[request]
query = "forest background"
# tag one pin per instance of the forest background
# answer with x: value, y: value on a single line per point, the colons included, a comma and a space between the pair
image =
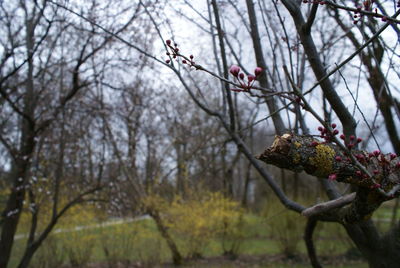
x: 134, y: 133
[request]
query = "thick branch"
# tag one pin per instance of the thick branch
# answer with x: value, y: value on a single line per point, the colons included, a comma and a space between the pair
x: 328, y: 206
x: 305, y: 153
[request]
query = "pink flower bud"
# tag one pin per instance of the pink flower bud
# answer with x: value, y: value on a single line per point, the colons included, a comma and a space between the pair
x: 191, y: 57
x: 359, y: 140
x: 360, y: 157
x: 376, y: 185
x: 358, y: 173
x: 342, y: 136
x: 338, y: 158
x: 335, y: 132
x: 393, y: 156
x: 352, y: 137
x: 377, y: 152
x: 241, y: 76
x: 350, y: 146
x: 333, y: 125
x: 168, y: 42
x: 332, y: 177
x: 234, y: 70
x: 251, y: 78
x: 314, y: 143
x: 320, y: 129
x: 258, y: 71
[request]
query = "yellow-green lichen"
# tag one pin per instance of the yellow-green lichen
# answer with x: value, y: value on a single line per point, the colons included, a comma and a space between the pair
x: 297, y: 144
x: 323, y: 160
x: 296, y: 158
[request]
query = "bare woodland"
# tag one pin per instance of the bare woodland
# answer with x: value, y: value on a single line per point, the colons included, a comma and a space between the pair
x: 111, y: 102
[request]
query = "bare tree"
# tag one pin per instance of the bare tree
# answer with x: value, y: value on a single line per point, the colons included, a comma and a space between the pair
x: 47, y: 61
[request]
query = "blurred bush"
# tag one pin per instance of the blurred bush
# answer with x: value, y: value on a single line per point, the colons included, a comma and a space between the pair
x: 201, y: 217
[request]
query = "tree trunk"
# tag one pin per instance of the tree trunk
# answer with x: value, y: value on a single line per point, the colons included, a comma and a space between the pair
x: 176, y: 255
x: 380, y: 252
x: 21, y: 165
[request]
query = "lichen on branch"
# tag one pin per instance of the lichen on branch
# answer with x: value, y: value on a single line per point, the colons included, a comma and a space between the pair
x: 327, y: 160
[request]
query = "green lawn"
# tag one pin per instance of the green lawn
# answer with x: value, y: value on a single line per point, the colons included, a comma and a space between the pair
x: 141, y: 242
x: 262, y: 241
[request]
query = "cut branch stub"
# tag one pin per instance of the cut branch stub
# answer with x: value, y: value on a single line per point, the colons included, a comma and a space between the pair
x: 327, y: 160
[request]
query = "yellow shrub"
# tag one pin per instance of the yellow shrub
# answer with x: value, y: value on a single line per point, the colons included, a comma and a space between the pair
x: 199, y: 218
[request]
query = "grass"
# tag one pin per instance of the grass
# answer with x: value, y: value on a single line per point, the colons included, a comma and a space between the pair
x: 148, y: 247
x: 264, y: 239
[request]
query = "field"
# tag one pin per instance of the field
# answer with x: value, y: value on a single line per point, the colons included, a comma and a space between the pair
x: 273, y: 240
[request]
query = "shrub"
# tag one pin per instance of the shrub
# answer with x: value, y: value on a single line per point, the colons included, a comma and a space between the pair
x: 49, y: 255
x: 287, y: 229
x: 201, y: 217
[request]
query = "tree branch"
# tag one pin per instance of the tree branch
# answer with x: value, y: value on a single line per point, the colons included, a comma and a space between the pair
x: 329, y: 205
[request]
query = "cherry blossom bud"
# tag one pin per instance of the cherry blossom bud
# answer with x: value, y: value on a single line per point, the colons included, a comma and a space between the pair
x: 338, y: 158
x: 352, y: 137
x: 376, y: 185
x: 191, y: 57
x: 335, y: 132
x: 167, y: 61
x: 241, y: 76
x: 314, y: 143
x: 333, y: 125
x: 251, y: 78
x: 350, y: 146
x: 320, y: 129
x: 377, y: 152
x: 234, y: 70
x: 358, y: 173
x: 332, y: 177
x: 393, y: 156
x: 360, y: 157
x: 359, y: 140
x: 168, y: 42
x: 342, y: 136
x: 258, y: 71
